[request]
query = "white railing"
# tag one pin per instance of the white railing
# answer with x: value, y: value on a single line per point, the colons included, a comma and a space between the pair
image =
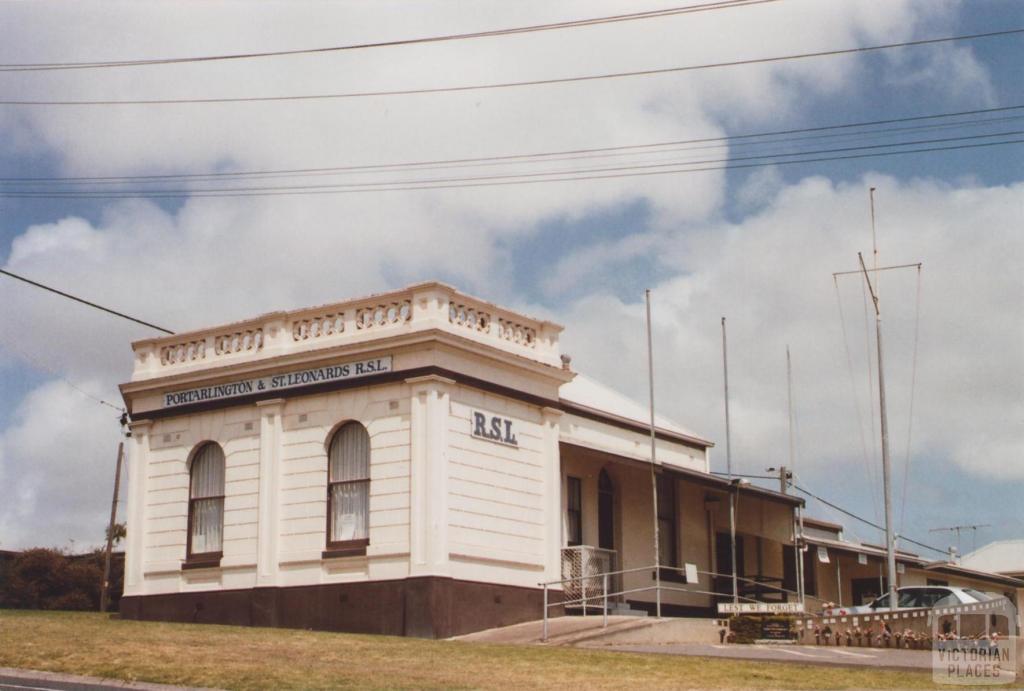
x: 585, y: 594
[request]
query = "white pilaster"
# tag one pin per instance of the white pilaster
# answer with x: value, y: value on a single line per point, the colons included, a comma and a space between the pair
x: 552, y: 496
x: 138, y: 462
x: 268, y: 532
x: 428, y: 520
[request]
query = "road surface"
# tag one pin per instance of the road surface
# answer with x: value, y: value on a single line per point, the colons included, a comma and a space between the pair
x: 919, y: 660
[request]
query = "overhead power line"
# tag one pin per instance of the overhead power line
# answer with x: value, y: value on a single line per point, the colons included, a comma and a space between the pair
x: 864, y: 520
x: 84, y: 301
x: 481, y: 181
x: 569, y: 24
x: 837, y: 508
x: 506, y: 85
x: 42, y: 365
x: 926, y: 122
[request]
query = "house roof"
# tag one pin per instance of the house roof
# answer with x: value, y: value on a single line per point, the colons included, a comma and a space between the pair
x: 915, y: 561
x: 860, y: 548
x: 719, y: 483
x: 1001, y: 556
x: 587, y: 393
x: 818, y: 523
x: 958, y: 570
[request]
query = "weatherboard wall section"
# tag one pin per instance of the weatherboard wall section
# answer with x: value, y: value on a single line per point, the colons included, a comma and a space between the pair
x: 630, y: 443
x: 308, y: 425
x: 496, y: 491
x: 171, y: 443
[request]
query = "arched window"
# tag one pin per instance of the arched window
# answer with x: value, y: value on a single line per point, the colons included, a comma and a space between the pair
x: 206, y: 502
x: 348, y: 487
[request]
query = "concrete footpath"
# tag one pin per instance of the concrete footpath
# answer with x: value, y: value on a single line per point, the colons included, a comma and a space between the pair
x: 25, y: 679
x: 883, y: 658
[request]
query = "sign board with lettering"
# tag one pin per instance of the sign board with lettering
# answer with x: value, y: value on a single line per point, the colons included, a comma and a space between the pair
x: 278, y: 382
x: 760, y: 607
x: 493, y: 428
x: 776, y: 630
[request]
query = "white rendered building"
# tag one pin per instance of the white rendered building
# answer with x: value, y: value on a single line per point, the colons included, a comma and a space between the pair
x: 417, y: 463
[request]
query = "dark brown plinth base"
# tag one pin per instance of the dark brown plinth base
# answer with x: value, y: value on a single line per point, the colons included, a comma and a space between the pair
x: 425, y: 607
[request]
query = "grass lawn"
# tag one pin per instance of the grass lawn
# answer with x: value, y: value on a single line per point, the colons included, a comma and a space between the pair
x: 234, y: 657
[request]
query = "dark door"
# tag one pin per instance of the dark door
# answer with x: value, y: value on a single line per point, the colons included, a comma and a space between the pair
x: 723, y: 553
x: 789, y: 569
x: 866, y: 589
x: 605, y: 511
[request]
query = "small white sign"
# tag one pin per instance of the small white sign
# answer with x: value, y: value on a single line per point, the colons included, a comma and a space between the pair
x: 691, y: 573
x: 862, y: 559
x: 823, y: 555
x: 760, y: 607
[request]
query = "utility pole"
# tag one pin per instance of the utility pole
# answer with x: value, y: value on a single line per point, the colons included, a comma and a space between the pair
x: 654, y: 478
x: 728, y: 466
x: 105, y: 591
x: 785, y: 474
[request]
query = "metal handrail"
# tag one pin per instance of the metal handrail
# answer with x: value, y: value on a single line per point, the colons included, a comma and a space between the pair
x: 706, y: 573
x: 658, y: 588
x: 595, y: 575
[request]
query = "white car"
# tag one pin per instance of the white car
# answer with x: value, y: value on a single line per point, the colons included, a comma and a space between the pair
x: 915, y: 597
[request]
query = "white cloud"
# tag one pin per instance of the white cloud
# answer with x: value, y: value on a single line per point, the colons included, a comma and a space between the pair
x: 57, y: 464
x: 212, y: 260
x: 771, y: 276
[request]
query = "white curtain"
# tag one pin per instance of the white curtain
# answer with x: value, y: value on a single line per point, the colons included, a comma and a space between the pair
x: 349, y: 488
x: 207, y: 495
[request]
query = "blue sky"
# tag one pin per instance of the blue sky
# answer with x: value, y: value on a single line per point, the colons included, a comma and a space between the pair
x: 758, y: 246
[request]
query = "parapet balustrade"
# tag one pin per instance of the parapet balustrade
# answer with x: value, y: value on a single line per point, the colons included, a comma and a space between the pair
x: 426, y: 306
x: 320, y: 325
x: 178, y: 353
x: 249, y: 340
x: 517, y: 333
x: 469, y: 316
x: 383, y: 315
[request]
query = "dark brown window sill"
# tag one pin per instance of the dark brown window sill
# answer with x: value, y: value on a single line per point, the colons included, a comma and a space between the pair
x: 349, y: 548
x: 202, y: 561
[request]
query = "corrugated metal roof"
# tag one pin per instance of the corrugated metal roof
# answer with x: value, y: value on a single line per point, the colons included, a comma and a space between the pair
x: 586, y: 392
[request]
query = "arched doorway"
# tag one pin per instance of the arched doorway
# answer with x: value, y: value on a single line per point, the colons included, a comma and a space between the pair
x: 605, y: 511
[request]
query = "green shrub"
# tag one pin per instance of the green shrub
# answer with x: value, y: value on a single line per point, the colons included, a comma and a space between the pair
x: 49, y: 579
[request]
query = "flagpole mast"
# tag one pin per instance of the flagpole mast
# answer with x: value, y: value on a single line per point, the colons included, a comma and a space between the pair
x: 728, y: 467
x: 654, y: 479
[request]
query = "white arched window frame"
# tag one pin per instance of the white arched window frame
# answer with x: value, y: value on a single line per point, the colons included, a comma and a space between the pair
x: 206, y: 503
x: 348, y: 489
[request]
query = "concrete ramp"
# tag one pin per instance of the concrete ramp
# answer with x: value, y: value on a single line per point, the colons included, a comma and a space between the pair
x: 589, y: 631
x: 653, y: 631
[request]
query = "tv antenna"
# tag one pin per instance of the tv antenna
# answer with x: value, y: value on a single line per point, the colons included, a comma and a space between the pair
x: 958, y: 528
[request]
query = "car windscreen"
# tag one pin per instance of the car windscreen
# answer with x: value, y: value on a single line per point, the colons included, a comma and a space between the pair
x: 909, y: 598
x: 930, y: 598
